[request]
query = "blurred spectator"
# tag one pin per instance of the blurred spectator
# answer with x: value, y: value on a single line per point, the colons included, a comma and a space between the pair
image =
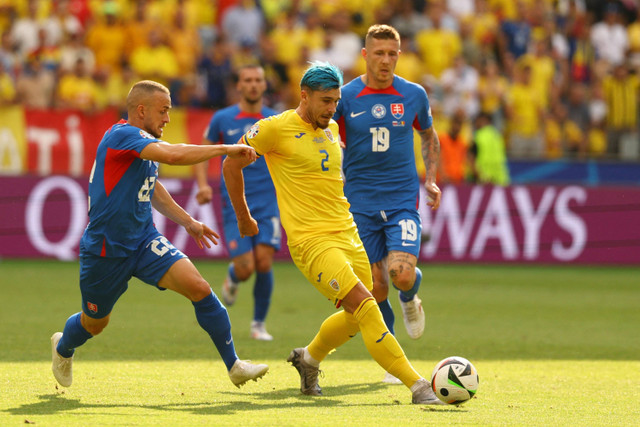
x: 437, y: 10
x: 49, y: 54
x: 138, y: 27
x: 543, y: 69
x: 278, y: 94
x: 36, y: 85
x: 515, y: 35
x: 621, y: 95
x: 409, y: 65
x: 408, y: 20
x: 562, y: 136
x: 243, y: 22
x: 460, y: 85
x: 9, y: 59
x: 343, y: 45
x: 77, y: 90
x: 60, y: 23
x: 72, y: 49
x: 313, y: 31
x: 471, y: 51
x: 485, y: 25
x: 633, y: 34
x: 437, y: 45
x: 492, y: 92
x: 185, y: 43
x: 487, y: 155
x: 216, y: 72
x: 288, y: 38
x: 107, y: 39
x: 609, y: 37
x: 24, y: 31
x: 453, y: 151
x: 7, y: 88
x: 155, y: 61
x: 597, y: 139
x: 582, y: 55
x: 461, y: 9
x: 524, y: 114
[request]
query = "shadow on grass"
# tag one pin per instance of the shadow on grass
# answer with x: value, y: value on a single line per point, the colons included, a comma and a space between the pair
x: 334, y: 397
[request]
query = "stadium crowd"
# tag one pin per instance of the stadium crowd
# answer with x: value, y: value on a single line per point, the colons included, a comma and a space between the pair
x: 555, y: 78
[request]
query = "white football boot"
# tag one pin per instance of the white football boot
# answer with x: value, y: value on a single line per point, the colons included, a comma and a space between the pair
x: 413, y: 317
x: 61, y: 366
x: 423, y: 394
x: 229, y: 291
x: 243, y: 371
x: 259, y: 332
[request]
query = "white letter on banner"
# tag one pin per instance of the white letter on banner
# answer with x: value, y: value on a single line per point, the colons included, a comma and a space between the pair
x: 76, y: 145
x: 44, y: 139
x: 63, y: 249
x: 571, y: 222
x: 9, y: 146
x: 459, y: 227
x: 496, y: 223
x: 531, y: 220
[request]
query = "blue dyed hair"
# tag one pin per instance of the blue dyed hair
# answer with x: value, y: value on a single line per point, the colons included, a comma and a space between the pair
x: 322, y: 76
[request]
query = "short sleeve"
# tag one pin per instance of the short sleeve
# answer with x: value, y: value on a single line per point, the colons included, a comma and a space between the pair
x: 262, y: 136
x: 424, y: 119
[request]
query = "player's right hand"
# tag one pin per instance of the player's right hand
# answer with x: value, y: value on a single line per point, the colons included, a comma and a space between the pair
x: 204, y: 195
x: 242, y: 151
x: 248, y: 227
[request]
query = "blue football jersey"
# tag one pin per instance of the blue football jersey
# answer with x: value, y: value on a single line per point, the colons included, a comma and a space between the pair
x: 377, y: 128
x: 120, y: 191
x: 227, y: 126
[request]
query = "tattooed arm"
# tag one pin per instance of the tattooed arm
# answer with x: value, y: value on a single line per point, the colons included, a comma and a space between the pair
x: 431, y: 157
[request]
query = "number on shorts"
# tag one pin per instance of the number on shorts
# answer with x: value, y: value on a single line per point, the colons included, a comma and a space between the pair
x: 160, y: 246
x: 409, y: 229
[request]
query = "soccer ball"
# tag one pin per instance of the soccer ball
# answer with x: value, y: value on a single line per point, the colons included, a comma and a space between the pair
x: 454, y: 380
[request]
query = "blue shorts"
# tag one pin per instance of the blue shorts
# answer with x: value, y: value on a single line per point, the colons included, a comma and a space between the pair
x: 103, y: 280
x: 389, y: 230
x: 269, y: 234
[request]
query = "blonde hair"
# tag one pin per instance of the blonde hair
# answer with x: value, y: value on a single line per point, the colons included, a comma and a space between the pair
x: 382, y: 32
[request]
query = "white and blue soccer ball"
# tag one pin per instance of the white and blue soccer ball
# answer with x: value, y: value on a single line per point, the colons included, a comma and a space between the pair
x: 454, y: 380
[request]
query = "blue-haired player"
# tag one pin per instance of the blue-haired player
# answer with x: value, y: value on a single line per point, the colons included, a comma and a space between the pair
x: 302, y: 151
x: 377, y: 115
x: 255, y: 253
x: 121, y: 241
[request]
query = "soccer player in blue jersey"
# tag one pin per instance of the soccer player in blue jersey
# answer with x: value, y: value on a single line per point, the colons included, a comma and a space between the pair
x: 377, y: 115
x: 255, y: 253
x: 121, y: 240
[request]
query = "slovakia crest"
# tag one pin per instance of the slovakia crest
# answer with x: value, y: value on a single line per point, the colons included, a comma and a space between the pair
x: 397, y: 110
x: 378, y: 111
x: 253, y: 131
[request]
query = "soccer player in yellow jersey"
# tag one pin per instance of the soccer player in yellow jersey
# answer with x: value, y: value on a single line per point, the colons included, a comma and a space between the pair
x: 303, y: 155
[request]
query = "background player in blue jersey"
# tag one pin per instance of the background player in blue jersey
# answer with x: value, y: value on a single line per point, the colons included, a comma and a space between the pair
x: 121, y: 241
x: 377, y: 115
x: 255, y: 252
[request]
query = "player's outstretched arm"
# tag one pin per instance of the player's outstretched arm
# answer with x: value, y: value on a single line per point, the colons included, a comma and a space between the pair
x: 233, y: 179
x: 187, y: 154
x: 205, y: 192
x: 164, y: 203
x: 431, y: 157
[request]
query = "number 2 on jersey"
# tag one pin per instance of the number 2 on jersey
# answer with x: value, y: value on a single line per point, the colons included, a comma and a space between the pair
x: 379, y: 139
x: 323, y: 161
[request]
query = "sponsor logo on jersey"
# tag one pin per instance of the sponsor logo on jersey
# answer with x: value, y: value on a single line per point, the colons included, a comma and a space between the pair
x: 397, y: 110
x: 329, y: 134
x: 253, y: 131
x: 378, y: 111
x: 145, y: 134
x: 334, y: 284
x: 91, y: 306
x: 300, y: 135
x: 318, y: 140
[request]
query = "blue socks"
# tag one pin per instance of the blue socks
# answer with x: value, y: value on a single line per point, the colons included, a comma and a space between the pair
x: 232, y: 273
x: 262, y: 295
x: 387, y: 315
x: 407, y: 296
x: 213, y: 318
x: 73, y: 335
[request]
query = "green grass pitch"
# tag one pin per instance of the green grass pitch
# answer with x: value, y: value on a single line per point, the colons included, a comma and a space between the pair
x: 553, y: 346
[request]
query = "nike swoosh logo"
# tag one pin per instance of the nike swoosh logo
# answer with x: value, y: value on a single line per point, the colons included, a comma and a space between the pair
x: 352, y: 115
x: 229, y: 342
x: 382, y: 337
x: 408, y: 244
x: 232, y: 131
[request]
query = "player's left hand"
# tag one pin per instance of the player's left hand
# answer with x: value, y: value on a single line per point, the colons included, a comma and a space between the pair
x: 242, y: 151
x: 202, y: 234
x: 433, y: 194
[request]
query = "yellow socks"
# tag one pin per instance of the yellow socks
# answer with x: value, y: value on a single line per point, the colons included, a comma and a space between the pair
x: 336, y: 330
x: 382, y: 345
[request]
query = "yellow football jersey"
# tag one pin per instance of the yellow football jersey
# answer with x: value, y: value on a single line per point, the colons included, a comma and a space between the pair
x: 305, y: 165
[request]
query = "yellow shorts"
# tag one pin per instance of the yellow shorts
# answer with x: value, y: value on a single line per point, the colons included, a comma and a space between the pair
x: 334, y: 264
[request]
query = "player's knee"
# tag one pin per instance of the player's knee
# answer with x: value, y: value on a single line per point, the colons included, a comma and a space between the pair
x: 199, y: 290
x: 380, y: 290
x: 403, y: 280
x: 263, y: 264
x: 243, y: 269
x: 94, y: 326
